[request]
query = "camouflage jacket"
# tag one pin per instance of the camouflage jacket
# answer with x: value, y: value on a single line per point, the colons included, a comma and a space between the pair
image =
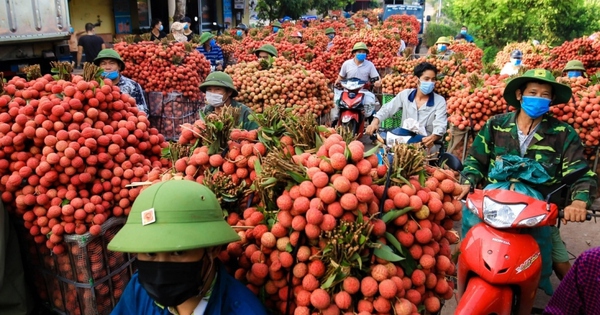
x: 245, y: 112
x: 555, y: 145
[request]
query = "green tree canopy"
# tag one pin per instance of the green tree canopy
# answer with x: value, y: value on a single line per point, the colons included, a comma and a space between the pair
x: 277, y: 9
x: 499, y: 22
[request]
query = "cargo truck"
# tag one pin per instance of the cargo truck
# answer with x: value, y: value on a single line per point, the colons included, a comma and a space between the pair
x: 33, y: 32
x: 416, y: 9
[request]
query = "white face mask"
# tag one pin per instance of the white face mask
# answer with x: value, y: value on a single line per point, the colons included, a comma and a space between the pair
x: 214, y: 99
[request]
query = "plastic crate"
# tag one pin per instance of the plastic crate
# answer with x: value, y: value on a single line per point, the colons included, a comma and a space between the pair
x: 87, y: 279
x: 168, y: 113
x: 394, y: 121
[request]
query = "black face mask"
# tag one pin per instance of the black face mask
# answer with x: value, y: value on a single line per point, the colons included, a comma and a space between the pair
x: 171, y: 283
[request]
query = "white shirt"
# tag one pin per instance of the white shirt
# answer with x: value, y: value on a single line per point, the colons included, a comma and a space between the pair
x: 509, y: 69
x: 402, y: 47
x: 432, y: 115
x: 364, y: 71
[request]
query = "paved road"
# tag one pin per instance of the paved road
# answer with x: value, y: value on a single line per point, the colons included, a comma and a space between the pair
x: 578, y: 237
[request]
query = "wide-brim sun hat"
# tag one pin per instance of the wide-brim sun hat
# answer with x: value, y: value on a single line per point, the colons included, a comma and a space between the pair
x: 562, y: 93
x: 174, y: 215
x: 109, y: 54
x: 219, y: 78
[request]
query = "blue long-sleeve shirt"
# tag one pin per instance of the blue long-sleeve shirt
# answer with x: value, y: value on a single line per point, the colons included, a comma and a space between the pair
x: 215, y: 54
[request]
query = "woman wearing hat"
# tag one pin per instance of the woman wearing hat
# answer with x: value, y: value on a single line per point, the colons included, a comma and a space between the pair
x: 515, y: 64
x: 110, y: 61
x: 574, y: 69
x: 213, y: 53
x: 266, y: 51
x: 177, y: 29
x: 187, y: 28
x: 177, y: 230
x: 220, y: 91
x: 529, y: 132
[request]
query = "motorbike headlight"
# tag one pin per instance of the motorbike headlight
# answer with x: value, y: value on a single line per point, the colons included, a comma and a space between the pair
x: 501, y: 215
x: 471, y: 207
x: 533, y: 221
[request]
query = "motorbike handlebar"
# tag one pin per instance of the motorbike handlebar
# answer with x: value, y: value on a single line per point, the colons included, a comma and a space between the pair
x: 588, y: 217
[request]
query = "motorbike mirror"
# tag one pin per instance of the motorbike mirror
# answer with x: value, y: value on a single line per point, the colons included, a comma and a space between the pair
x: 451, y: 161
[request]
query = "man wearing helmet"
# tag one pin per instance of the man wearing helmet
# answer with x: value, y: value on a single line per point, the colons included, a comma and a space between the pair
x: 220, y: 91
x: 574, y: 69
x: 330, y: 32
x: 110, y: 61
x: 442, y: 48
x: 177, y: 230
x: 514, y: 65
x: 530, y: 133
x: 266, y: 51
x: 242, y: 30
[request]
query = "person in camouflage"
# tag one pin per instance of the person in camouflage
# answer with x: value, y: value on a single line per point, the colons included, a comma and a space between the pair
x: 529, y: 132
x: 220, y: 91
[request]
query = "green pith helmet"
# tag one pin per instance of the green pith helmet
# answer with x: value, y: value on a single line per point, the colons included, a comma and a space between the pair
x: 360, y: 46
x: 443, y: 40
x: 574, y: 65
x: 174, y: 215
x: 205, y: 36
x: 276, y: 24
x: 109, y: 54
x: 350, y: 22
x: 329, y: 30
x: 219, y: 78
x: 269, y: 49
x: 561, y: 93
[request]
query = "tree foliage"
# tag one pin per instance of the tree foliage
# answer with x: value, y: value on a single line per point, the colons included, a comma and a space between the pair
x: 276, y: 9
x: 502, y: 21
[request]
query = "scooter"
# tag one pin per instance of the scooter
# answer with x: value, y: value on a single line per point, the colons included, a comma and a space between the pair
x: 354, y: 110
x: 499, y: 268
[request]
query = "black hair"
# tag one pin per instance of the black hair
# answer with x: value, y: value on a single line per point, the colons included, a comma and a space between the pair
x: 524, y: 86
x: 89, y: 27
x: 422, y: 67
x: 186, y: 20
x: 459, y: 36
x: 464, y: 26
x: 154, y: 22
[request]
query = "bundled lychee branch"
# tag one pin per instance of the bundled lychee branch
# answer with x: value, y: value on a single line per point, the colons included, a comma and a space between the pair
x: 91, y: 72
x: 345, y: 251
x: 218, y: 128
x: 225, y: 189
x: 62, y: 70
x: 408, y: 160
x: 33, y: 72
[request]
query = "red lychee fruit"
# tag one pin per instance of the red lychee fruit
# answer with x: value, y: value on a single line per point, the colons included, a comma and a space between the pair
x: 388, y: 289
x: 320, y: 299
x: 418, y: 277
x: 369, y: 286
x: 380, y: 272
x: 343, y: 300
x: 351, y: 285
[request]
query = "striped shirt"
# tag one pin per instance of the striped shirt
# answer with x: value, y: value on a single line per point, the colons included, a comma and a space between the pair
x: 215, y: 54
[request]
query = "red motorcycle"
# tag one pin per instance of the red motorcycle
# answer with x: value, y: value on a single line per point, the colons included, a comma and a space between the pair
x: 354, y: 109
x: 499, y: 268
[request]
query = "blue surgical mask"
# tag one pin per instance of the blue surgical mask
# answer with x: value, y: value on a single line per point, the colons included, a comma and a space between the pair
x: 463, y: 32
x: 213, y: 42
x: 426, y: 86
x: 535, y: 106
x: 275, y: 29
x: 331, y: 36
x: 516, y: 62
x: 239, y: 33
x: 186, y: 27
x: 574, y: 74
x: 161, y: 28
x: 71, y: 30
x: 361, y: 57
x: 110, y: 74
x: 442, y: 48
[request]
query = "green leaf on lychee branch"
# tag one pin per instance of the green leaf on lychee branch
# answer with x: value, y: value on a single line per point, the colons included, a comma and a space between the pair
x: 393, y: 214
x: 392, y: 239
x: 372, y: 151
x: 387, y: 253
